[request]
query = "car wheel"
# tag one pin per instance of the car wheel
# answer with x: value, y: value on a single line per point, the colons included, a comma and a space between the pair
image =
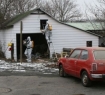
x: 61, y: 71
x: 85, y: 79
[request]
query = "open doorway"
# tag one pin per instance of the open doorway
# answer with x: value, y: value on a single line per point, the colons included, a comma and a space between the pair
x: 40, y: 44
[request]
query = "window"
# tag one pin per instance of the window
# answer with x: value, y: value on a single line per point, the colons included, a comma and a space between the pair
x: 75, y: 54
x: 99, y: 54
x: 42, y: 24
x: 84, y: 55
x: 89, y: 43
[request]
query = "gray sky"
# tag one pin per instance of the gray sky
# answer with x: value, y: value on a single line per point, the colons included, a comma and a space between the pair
x: 83, y: 3
x: 83, y: 6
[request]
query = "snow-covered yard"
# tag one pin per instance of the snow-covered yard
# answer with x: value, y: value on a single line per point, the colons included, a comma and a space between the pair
x: 42, y: 66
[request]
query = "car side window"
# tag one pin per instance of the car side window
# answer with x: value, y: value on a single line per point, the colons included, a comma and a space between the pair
x: 75, y: 54
x: 84, y: 55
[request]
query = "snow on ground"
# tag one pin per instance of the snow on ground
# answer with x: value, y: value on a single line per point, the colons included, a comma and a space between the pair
x: 41, y: 66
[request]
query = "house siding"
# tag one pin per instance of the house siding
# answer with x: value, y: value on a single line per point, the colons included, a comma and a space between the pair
x: 7, y: 38
x: 2, y: 41
x: 69, y: 37
x: 63, y: 36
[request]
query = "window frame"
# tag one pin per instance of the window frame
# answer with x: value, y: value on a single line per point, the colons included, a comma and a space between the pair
x: 81, y: 55
x: 95, y: 56
x: 89, y: 43
x: 43, y: 23
x: 73, y: 52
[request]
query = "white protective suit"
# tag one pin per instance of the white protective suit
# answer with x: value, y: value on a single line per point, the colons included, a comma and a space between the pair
x: 48, y: 33
x: 28, y: 50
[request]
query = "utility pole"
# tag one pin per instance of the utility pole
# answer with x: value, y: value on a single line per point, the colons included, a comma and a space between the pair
x: 21, y: 28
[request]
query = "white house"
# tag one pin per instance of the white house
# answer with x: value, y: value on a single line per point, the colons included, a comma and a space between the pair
x: 96, y: 27
x: 63, y: 35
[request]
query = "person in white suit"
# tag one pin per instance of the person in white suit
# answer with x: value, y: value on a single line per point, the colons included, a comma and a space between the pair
x: 47, y: 33
x: 28, y: 50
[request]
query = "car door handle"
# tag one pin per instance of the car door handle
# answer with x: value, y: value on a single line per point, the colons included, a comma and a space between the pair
x: 75, y: 62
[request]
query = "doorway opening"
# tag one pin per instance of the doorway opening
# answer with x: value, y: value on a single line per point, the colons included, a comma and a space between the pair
x: 40, y: 45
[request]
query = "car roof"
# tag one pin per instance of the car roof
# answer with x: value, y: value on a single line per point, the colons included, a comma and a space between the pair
x: 91, y: 48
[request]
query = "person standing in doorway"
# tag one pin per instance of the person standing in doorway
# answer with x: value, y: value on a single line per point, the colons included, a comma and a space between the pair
x: 28, y: 50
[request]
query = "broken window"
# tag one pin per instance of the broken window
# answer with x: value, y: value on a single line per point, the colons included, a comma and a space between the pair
x: 43, y: 23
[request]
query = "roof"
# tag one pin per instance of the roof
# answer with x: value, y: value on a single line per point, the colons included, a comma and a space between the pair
x: 19, y: 17
x: 88, y: 25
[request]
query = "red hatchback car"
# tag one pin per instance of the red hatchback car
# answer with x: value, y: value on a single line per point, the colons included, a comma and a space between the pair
x: 87, y: 63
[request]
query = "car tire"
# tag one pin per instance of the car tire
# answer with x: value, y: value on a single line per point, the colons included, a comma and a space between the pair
x: 85, y: 79
x: 61, y: 71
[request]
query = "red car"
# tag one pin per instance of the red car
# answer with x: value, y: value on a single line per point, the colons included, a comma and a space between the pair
x: 87, y: 63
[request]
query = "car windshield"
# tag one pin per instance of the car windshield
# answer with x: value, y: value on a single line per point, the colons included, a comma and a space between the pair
x: 99, y: 54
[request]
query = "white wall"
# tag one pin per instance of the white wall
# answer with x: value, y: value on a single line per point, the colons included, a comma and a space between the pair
x: 7, y: 38
x: 2, y: 41
x: 68, y: 37
x: 62, y: 36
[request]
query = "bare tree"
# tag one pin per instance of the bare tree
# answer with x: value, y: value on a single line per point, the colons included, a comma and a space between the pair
x: 63, y: 10
x: 38, y: 3
x: 98, y: 14
x: 21, y: 6
x: 5, y: 9
x: 48, y: 7
x: 10, y: 8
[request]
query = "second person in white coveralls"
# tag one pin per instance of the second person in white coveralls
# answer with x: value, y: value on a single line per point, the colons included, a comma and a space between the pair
x: 28, y: 50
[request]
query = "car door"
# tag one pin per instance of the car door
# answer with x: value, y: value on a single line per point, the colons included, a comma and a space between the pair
x: 81, y: 62
x: 72, y: 60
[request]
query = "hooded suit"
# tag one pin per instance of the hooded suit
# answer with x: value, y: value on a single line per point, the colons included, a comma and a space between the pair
x: 48, y: 33
x: 28, y: 50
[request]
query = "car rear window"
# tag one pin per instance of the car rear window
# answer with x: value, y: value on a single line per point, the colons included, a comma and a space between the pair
x: 99, y: 54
